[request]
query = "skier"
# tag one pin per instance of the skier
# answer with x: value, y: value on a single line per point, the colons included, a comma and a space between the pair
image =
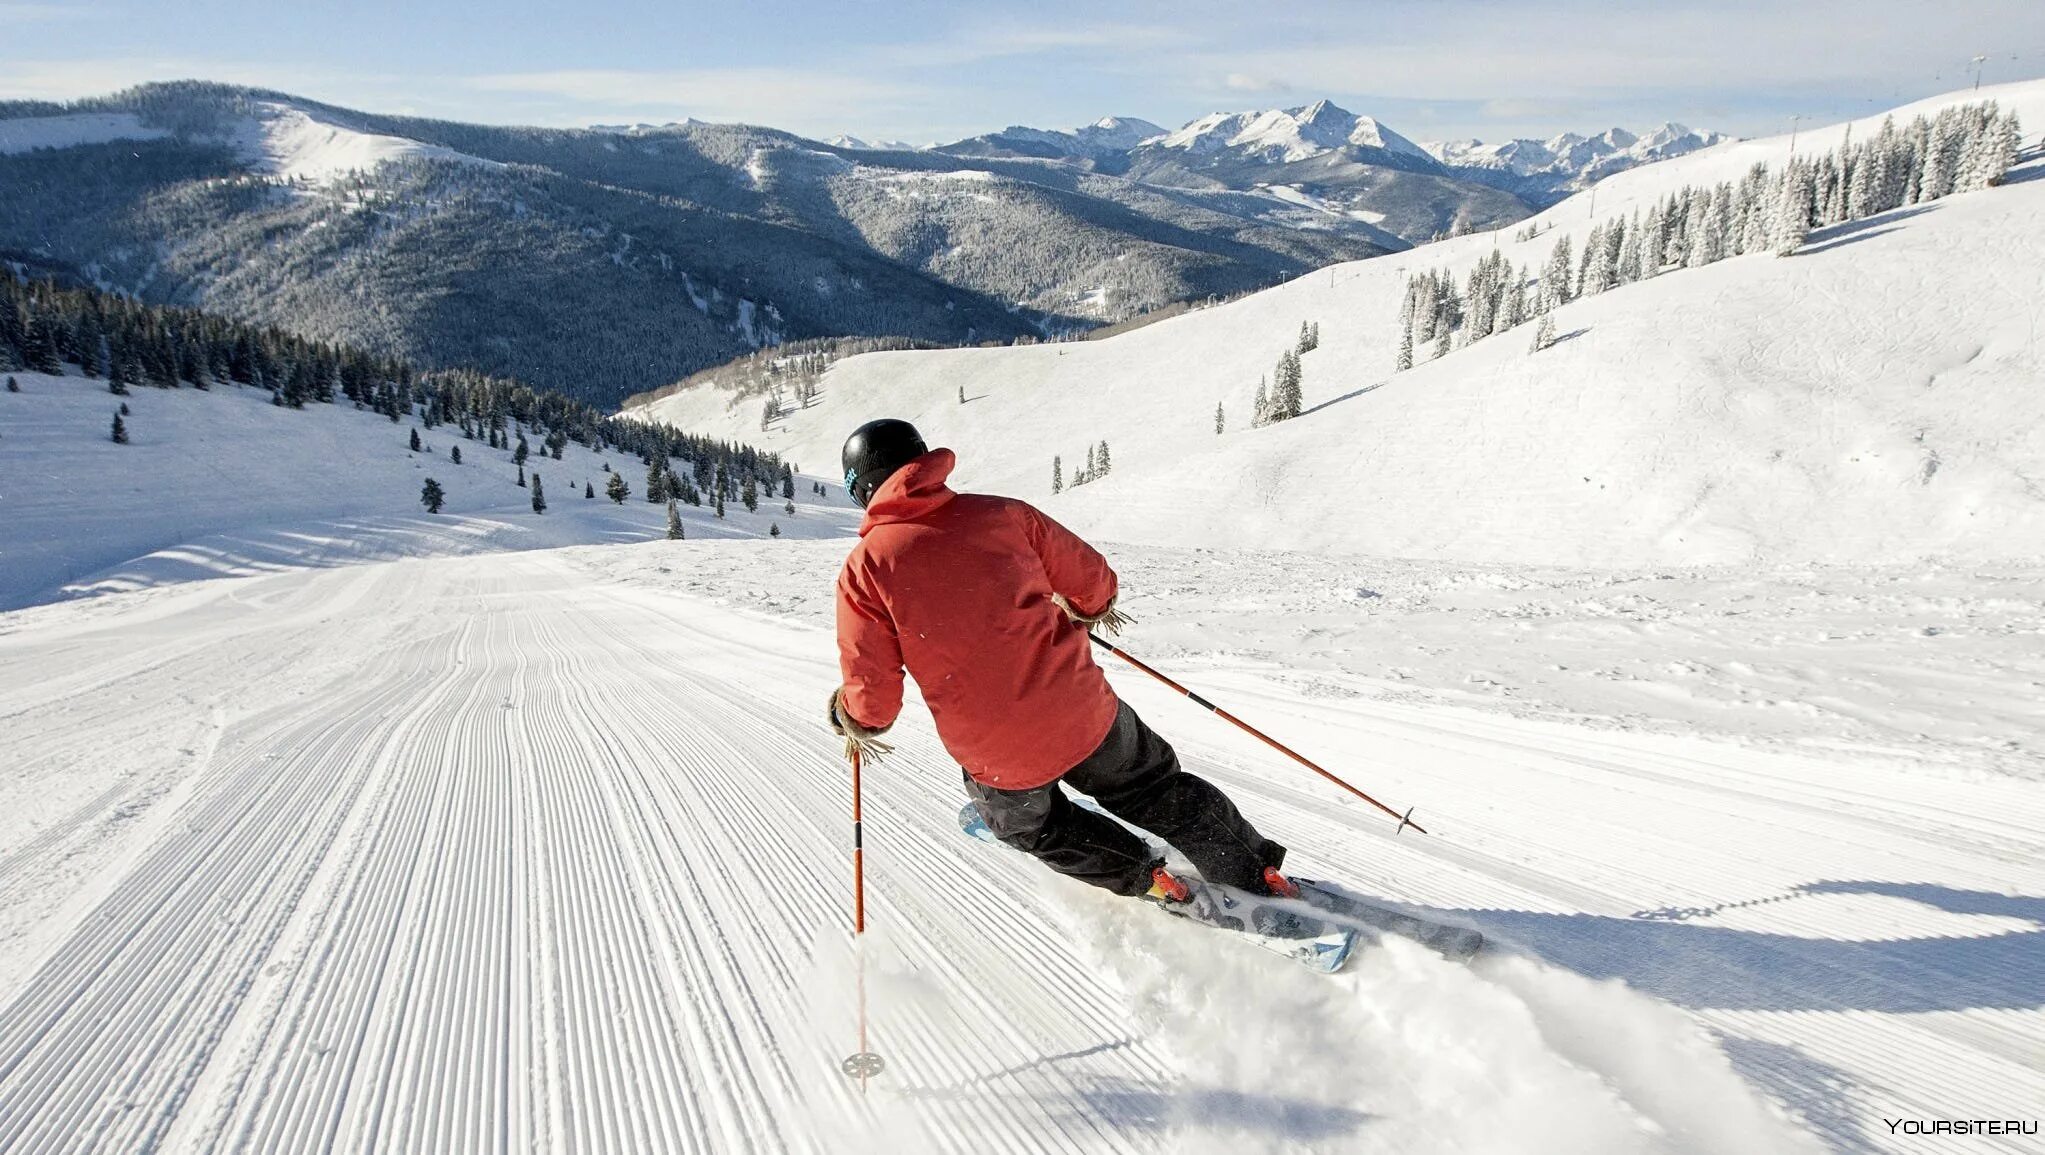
x: 987, y: 602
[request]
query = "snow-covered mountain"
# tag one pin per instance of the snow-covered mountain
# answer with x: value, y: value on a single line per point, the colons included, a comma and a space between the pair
x: 1546, y: 170
x: 610, y: 260
x: 1100, y: 140
x: 1759, y: 408
x: 861, y: 144
x: 1286, y: 136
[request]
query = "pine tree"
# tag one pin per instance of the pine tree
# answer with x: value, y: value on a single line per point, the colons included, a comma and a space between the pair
x: 773, y: 529
x: 616, y: 489
x: 455, y: 454
x: 1092, y: 463
x: 117, y: 378
x: 432, y: 496
x: 1286, y: 398
x: 1791, y: 221
x: 788, y: 482
x: 1220, y: 423
x: 539, y: 496
x: 1057, y: 474
x: 788, y: 508
x: 751, y: 495
x: 521, y: 477
x: 720, y: 503
x: 1544, y: 333
x: 1105, y: 466
x: 1555, y: 278
x: 519, y: 455
x: 674, y: 521
x: 962, y: 394
x: 1405, y: 360
x: 656, y: 480
x: 13, y: 386
x: 1444, y: 332
x: 120, y: 430
x: 415, y: 439
x: 124, y: 410
x: 588, y: 490
x: 1260, y: 408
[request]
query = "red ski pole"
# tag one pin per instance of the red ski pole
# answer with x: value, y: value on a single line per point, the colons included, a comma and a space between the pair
x: 861, y: 1064
x: 1405, y: 819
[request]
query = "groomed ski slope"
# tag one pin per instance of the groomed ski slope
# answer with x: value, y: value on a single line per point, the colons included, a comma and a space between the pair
x: 1871, y: 399
x: 503, y: 853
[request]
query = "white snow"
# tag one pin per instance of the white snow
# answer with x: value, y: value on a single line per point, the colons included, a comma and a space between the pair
x: 222, y: 483
x: 1873, y: 399
x: 72, y: 129
x: 289, y: 142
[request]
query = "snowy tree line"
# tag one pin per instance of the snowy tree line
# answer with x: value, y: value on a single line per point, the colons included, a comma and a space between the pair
x: 1963, y: 149
x: 44, y: 328
x: 1098, y: 465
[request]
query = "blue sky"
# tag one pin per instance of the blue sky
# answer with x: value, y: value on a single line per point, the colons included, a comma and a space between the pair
x: 938, y: 71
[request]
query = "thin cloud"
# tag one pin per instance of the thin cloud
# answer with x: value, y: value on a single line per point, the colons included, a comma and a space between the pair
x: 797, y: 99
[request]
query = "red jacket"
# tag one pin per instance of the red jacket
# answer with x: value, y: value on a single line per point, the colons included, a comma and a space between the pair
x: 957, y: 587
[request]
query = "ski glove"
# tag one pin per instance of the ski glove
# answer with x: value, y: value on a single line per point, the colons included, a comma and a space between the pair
x: 857, y: 737
x: 1111, y: 620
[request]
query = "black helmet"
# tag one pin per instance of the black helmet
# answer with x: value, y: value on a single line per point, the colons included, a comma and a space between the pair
x: 873, y: 453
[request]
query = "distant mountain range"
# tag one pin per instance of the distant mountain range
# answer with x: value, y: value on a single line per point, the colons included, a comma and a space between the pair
x: 602, y: 262
x: 1560, y: 165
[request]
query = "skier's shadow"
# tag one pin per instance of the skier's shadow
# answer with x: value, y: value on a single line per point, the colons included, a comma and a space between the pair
x: 1672, y: 956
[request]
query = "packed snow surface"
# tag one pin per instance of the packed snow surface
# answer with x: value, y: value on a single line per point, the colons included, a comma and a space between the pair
x: 549, y: 850
x: 1872, y: 399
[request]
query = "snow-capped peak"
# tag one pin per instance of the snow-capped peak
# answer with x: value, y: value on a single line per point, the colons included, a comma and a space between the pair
x: 1290, y: 134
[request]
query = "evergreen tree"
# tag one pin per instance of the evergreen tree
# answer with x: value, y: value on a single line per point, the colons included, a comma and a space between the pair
x: 539, y: 496
x: 1220, y: 423
x: 415, y: 439
x: 1444, y: 332
x: 1405, y: 360
x: 656, y: 481
x: 719, y: 504
x: 788, y: 482
x: 751, y: 495
x: 120, y: 430
x: 124, y: 410
x: 674, y: 521
x: 1555, y: 278
x: 773, y: 529
x: 1286, y: 398
x: 1791, y: 220
x: 1105, y: 465
x: 962, y: 394
x: 117, y: 378
x: 1544, y: 333
x: 455, y: 454
x: 1092, y: 465
x: 13, y: 386
x: 519, y: 455
x: 432, y: 496
x: 1057, y: 474
x: 1260, y: 407
x: 616, y: 489
x: 521, y: 477
x: 788, y: 508
x: 588, y: 490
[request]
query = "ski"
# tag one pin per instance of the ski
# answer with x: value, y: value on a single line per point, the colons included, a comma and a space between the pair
x: 1271, y: 924
x: 1263, y: 918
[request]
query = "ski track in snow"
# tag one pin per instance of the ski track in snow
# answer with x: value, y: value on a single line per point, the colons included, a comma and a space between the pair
x: 483, y: 854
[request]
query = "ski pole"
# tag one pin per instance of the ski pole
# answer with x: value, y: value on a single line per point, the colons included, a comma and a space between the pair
x: 862, y: 1064
x: 1405, y: 819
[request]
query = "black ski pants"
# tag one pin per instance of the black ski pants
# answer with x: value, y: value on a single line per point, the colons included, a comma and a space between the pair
x: 1135, y: 776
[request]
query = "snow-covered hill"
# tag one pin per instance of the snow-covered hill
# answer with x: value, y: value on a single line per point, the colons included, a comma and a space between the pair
x: 221, y: 483
x: 1872, y: 398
